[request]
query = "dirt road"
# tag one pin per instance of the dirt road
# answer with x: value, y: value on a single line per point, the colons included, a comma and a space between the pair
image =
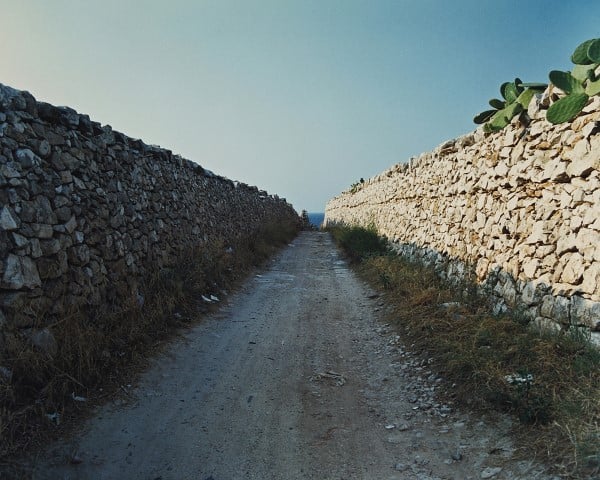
x: 294, y: 378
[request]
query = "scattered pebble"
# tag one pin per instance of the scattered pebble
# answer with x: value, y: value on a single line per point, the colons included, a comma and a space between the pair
x: 457, y: 456
x: 54, y: 417
x: 490, y: 472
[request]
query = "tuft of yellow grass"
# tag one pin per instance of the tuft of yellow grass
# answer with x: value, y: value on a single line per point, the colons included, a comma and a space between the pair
x: 96, y: 348
x: 550, y: 381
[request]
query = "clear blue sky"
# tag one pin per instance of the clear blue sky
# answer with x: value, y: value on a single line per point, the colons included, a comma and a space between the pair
x: 299, y: 97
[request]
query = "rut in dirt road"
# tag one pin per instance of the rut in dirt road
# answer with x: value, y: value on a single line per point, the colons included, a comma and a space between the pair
x: 294, y: 378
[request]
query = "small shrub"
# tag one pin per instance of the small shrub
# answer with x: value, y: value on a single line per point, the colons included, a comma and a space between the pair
x: 359, y: 242
x: 516, y: 96
x: 356, y: 186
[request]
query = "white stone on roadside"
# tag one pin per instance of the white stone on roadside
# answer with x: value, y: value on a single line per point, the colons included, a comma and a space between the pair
x: 490, y: 472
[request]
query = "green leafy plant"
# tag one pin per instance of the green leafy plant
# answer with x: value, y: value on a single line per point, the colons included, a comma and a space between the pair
x: 359, y: 242
x: 355, y: 187
x: 550, y: 380
x: 517, y: 96
x: 579, y: 85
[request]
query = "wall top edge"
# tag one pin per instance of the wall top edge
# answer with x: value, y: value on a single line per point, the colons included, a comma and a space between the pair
x: 28, y: 108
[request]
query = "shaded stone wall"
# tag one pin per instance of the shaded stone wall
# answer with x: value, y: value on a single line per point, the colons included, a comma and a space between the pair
x: 519, y: 208
x: 86, y: 212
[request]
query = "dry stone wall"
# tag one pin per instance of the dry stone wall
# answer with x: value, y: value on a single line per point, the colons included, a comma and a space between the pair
x: 86, y: 212
x: 519, y: 209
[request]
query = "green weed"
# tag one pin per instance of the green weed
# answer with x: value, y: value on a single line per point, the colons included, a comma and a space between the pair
x: 549, y: 380
x: 359, y: 243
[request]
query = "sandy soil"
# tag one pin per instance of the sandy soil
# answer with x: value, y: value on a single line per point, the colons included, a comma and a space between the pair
x: 296, y: 377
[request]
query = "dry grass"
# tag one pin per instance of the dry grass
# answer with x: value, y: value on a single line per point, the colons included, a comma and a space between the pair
x: 98, y: 348
x: 555, y: 386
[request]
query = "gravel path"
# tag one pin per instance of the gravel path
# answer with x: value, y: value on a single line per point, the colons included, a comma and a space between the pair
x: 296, y: 377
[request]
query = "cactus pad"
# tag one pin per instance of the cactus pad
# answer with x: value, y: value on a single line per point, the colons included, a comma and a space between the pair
x: 580, y: 55
x: 503, y: 117
x: 497, y: 104
x: 584, y: 72
x: 525, y: 97
x: 484, y: 116
x: 593, y: 88
x: 566, y: 82
x: 593, y: 51
x: 509, y: 92
x: 566, y: 108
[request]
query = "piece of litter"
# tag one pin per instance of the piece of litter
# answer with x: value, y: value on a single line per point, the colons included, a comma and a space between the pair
x: 449, y: 304
x: 390, y: 426
x: 214, y: 299
x: 77, y: 398
x: 206, y: 299
x: 54, y: 417
x: 338, y: 377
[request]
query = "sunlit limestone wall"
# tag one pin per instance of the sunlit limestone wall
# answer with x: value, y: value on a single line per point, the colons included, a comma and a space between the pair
x: 519, y: 209
x: 87, y: 212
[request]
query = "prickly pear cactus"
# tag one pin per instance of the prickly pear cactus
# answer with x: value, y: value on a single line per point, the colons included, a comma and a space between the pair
x: 593, y: 88
x: 566, y: 82
x: 566, y: 108
x: 593, y: 51
x: 580, y: 56
x: 484, y: 116
x: 525, y: 97
x: 502, y: 117
x: 497, y: 104
x: 517, y: 96
x: 583, y: 72
x: 579, y: 85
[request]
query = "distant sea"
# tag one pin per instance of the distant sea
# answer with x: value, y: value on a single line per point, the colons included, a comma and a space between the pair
x: 316, y: 219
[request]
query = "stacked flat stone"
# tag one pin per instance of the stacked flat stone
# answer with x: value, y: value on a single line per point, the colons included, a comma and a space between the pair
x: 520, y: 207
x: 87, y: 212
